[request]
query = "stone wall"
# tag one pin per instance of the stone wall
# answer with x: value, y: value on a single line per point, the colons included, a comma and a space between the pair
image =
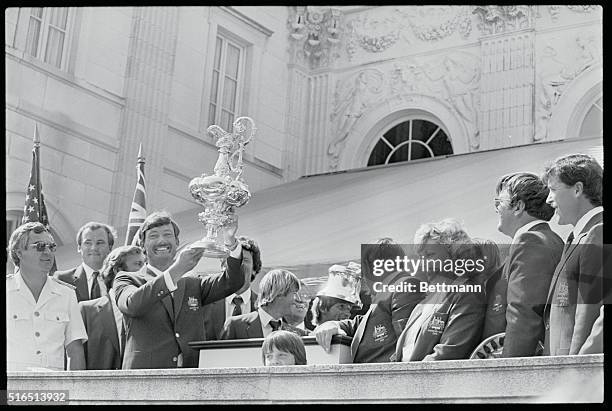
x: 525, y: 380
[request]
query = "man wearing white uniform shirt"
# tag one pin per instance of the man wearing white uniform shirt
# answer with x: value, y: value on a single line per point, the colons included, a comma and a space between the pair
x: 43, y: 319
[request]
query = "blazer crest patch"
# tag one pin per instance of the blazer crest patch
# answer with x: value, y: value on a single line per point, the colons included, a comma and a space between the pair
x: 497, y: 304
x: 193, y: 303
x: 380, y: 333
x: 436, y: 325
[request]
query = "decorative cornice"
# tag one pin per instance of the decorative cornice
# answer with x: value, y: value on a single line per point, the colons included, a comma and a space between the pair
x: 247, y: 20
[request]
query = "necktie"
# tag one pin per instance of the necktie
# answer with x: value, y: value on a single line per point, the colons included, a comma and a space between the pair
x: 275, y: 325
x: 95, y: 286
x: 237, y: 301
x: 569, y: 241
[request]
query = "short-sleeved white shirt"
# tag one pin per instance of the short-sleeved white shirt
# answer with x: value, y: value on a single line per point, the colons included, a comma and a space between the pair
x: 37, y: 332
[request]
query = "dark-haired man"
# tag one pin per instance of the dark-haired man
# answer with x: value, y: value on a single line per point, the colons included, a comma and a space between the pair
x: 518, y: 292
x: 243, y: 301
x: 163, y: 307
x: 94, y: 242
x: 579, y: 281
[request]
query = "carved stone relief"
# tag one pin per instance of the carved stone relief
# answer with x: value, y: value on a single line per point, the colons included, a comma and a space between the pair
x: 352, y: 97
x: 453, y: 78
x: 377, y: 32
x: 501, y: 19
x: 556, y: 10
x: 556, y: 74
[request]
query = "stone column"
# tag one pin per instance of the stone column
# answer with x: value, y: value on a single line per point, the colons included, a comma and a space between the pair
x: 150, y: 64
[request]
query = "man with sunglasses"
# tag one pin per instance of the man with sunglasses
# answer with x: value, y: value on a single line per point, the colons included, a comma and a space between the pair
x: 43, y: 318
x: 517, y: 293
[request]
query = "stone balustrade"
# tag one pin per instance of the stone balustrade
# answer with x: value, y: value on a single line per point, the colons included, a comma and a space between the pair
x: 535, y: 379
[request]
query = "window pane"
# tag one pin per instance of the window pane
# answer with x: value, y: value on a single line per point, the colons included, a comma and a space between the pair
x: 59, y: 17
x: 400, y: 155
x: 419, y: 151
x: 398, y: 134
x: 36, y: 11
x: 211, y: 114
x: 440, y: 144
x: 226, y: 120
x: 55, y: 45
x: 232, y: 61
x: 379, y: 154
x: 229, y: 94
x: 422, y: 130
x: 214, y: 87
x: 217, y: 60
x: 33, y: 36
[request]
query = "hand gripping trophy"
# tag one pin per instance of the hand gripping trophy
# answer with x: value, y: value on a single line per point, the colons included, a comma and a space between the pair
x: 223, y: 191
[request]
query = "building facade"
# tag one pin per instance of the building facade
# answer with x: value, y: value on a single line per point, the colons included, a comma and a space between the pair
x: 330, y: 89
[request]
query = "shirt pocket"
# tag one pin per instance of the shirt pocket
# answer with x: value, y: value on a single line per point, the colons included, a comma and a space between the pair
x: 55, y: 326
x: 19, y: 324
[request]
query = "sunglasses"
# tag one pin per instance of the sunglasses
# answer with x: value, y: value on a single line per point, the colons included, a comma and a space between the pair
x: 40, y: 246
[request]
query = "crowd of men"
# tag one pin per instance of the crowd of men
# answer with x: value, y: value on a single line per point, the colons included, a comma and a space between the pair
x: 139, y: 306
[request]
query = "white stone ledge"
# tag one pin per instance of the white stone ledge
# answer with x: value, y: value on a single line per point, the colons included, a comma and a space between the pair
x: 536, y: 379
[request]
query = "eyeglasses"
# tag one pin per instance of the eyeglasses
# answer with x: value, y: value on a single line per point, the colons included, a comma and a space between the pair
x: 41, y: 247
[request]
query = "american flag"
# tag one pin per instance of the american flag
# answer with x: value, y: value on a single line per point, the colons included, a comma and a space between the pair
x: 138, y: 213
x: 35, y: 209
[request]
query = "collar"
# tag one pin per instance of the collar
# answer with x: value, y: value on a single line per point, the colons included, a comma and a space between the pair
x: 246, y: 297
x: 155, y: 271
x: 17, y: 282
x: 526, y: 228
x: 582, y: 222
x: 264, y: 317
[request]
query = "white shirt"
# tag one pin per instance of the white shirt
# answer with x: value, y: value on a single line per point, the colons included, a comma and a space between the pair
x: 118, y: 314
x: 265, y: 318
x: 585, y: 219
x: 89, y: 274
x: 37, y: 332
x: 526, y: 228
x: 245, y: 307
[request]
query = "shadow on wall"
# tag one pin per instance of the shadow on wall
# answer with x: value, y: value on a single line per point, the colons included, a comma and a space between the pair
x: 572, y: 387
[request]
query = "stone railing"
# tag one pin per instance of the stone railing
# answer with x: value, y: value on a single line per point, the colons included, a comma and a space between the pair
x: 536, y: 379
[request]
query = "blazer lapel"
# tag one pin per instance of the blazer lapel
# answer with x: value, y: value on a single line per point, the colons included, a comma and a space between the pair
x: 167, y: 300
x: 107, y: 317
x: 179, y: 294
x: 359, y: 331
x: 80, y: 282
x: 253, y: 328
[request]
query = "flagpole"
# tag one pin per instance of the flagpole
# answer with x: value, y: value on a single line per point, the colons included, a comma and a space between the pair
x: 37, y: 160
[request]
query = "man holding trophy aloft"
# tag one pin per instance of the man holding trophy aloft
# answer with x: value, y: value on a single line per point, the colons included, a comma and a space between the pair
x: 162, y: 304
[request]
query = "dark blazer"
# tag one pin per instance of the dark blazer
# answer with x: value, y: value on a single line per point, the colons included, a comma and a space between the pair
x: 102, y: 345
x: 75, y: 276
x: 242, y: 326
x: 375, y: 333
x: 515, y: 305
x: 452, y: 331
x: 576, y: 291
x: 214, y: 316
x: 159, y: 327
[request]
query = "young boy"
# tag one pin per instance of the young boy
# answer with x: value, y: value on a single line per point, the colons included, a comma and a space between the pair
x: 283, y: 348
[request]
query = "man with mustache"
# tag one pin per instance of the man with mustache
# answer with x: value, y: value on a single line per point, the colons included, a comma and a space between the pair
x: 163, y: 304
x: 43, y: 321
x: 94, y: 242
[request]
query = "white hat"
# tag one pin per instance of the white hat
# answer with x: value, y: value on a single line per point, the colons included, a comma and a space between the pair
x: 344, y: 283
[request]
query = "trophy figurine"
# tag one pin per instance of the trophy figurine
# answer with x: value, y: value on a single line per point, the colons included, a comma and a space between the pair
x: 222, y: 192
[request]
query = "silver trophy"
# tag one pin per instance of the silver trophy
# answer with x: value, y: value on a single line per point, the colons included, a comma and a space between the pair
x: 222, y: 192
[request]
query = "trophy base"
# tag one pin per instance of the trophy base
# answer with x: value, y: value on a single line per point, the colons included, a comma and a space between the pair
x: 211, y: 248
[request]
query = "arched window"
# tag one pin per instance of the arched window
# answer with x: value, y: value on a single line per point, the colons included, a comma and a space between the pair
x: 411, y: 140
x: 592, y: 126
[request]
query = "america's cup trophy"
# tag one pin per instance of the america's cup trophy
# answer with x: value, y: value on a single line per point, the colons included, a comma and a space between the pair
x: 222, y: 192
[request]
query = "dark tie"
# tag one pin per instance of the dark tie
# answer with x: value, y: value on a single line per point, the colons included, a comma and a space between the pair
x: 275, y: 324
x: 237, y: 301
x: 95, y: 286
x: 568, y: 242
